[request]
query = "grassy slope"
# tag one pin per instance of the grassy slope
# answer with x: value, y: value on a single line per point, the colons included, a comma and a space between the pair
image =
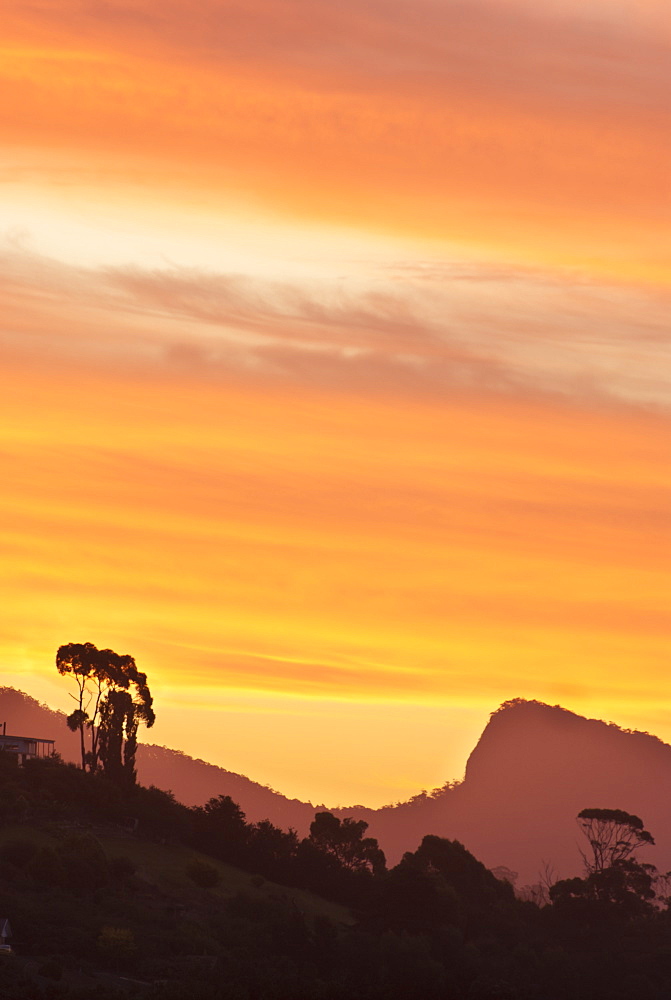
x: 181, y: 934
x: 163, y: 868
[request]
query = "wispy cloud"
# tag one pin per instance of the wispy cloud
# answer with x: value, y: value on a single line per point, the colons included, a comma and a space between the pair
x: 410, y: 327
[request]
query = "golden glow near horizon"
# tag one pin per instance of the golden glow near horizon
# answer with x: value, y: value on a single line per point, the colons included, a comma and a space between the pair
x: 335, y: 371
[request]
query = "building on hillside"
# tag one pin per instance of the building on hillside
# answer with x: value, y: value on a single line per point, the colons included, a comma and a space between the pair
x: 25, y: 747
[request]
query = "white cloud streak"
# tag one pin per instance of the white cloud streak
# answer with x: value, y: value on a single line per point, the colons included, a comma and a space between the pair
x: 413, y: 327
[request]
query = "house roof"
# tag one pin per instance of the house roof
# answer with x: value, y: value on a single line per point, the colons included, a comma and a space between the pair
x: 26, y: 739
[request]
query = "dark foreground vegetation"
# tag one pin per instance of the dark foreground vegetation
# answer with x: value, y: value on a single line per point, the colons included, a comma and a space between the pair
x: 116, y: 890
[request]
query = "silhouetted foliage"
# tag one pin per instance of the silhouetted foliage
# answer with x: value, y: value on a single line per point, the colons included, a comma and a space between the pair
x: 461, y: 870
x: 437, y: 926
x: 113, y: 698
x: 617, y: 890
x: 272, y: 851
x: 627, y: 885
x: 613, y: 836
x: 220, y: 829
x: 442, y: 884
x: 414, y: 897
x: 344, y: 840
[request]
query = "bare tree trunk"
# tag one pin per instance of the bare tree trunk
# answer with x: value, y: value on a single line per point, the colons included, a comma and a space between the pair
x: 82, y: 745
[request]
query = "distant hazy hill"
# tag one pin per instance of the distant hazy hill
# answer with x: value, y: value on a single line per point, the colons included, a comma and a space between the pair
x: 192, y: 781
x: 533, y: 769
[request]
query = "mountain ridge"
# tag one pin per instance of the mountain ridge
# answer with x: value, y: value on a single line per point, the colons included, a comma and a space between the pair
x: 534, y: 767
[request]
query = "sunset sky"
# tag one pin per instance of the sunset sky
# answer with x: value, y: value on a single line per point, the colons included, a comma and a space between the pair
x: 335, y: 370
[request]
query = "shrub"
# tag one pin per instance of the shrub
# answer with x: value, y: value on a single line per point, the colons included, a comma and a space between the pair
x: 204, y: 875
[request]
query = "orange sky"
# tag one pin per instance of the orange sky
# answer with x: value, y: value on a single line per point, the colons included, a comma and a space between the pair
x: 335, y: 362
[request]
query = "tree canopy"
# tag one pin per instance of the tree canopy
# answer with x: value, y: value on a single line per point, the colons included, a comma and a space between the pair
x: 613, y: 835
x: 344, y: 840
x: 112, y: 699
x: 613, y: 875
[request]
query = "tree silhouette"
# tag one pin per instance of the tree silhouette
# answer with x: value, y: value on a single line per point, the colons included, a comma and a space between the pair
x: 113, y: 698
x: 613, y: 876
x: 613, y: 836
x: 80, y: 661
x: 220, y: 829
x: 345, y: 841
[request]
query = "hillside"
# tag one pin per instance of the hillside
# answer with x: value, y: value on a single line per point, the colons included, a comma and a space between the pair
x: 99, y: 909
x: 191, y: 780
x: 117, y: 891
x: 533, y: 769
x: 160, y: 872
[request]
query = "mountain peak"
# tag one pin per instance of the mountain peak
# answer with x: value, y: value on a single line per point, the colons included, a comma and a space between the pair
x: 535, y: 740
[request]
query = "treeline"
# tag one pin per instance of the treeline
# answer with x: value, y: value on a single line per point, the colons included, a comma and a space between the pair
x: 437, y: 926
x: 337, y: 860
